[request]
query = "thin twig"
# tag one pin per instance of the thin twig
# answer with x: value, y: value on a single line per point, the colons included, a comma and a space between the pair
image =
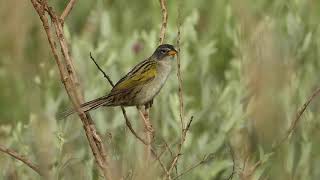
x: 148, y: 133
x: 179, y: 76
x: 21, y: 158
x: 100, y: 69
x: 128, y: 123
x: 297, y: 118
x: 168, y: 147
x: 204, y: 160
x: 67, y: 10
x: 183, y: 138
x: 160, y: 162
x: 233, y: 163
x: 163, y: 5
x: 180, y: 92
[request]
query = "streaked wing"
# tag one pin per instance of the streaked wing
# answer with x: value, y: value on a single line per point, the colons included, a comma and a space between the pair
x: 141, y: 74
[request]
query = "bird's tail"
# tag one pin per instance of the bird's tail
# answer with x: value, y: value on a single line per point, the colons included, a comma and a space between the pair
x: 88, y: 106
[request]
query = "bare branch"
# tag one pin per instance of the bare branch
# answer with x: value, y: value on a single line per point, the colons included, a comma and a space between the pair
x: 160, y: 162
x: 70, y: 81
x: 183, y: 138
x: 163, y: 5
x: 204, y: 160
x: 67, y: 10
x: 148, y: 132
x: 179, y: 76
x: 100, y: 69
x: 180, y: 92
x: 21, y: 158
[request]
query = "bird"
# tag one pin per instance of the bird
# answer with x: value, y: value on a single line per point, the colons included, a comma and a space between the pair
x: 139, y: 86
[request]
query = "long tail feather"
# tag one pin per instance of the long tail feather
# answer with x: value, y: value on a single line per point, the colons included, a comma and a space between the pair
x: 88, y: 106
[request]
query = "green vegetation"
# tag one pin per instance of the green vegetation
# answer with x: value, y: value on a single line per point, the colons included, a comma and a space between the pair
x: 247, y: 67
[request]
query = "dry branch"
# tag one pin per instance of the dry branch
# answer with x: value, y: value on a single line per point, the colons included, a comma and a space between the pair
x: 69, y: 78
x: 205, y: 159
x: 21, y: 158
x: 67, y: 10
x: 184, y: 129
x: 163, y: 5
x: 148, y: 132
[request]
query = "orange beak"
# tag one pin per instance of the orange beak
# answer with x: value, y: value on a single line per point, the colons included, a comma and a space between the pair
x: 172, y: 53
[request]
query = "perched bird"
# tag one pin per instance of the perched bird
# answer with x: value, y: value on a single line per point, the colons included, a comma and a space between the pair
x: 140, y: 85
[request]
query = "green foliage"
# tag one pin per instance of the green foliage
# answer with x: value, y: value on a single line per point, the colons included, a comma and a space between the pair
x: 246, y: 67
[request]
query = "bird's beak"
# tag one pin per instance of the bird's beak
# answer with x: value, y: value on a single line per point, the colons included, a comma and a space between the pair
x: 172, y: 53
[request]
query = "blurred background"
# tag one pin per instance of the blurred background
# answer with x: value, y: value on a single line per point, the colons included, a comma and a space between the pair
x: 247, y: 67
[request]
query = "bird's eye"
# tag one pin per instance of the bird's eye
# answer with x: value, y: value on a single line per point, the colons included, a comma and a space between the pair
x: 163, y: 51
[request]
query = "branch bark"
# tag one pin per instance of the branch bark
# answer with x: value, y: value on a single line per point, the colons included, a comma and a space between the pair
x: 21, y: 158
x: 70, y: 80
x: 184, y: 129
x: 67, y: 10
x: 163, y: 5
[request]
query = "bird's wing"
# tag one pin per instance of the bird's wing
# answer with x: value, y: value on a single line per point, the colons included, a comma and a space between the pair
x: 138, y: 76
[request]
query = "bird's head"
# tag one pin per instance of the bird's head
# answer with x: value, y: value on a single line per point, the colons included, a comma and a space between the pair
x: 163, y: 51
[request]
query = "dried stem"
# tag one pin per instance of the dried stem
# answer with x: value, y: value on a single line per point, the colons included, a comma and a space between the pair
x: 179, y: 76
x: 160, y: 162
x: 163, y: 5
x: 183, y: 138
x: 70, y: 80
x: 297, y: 117
x: 67, y: 10
x: 184, y: 129
x: 148, y: 132
x: 21, y: 158
x: 204, y: 160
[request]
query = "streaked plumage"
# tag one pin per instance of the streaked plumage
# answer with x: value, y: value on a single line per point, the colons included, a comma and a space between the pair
x: 140, y: 85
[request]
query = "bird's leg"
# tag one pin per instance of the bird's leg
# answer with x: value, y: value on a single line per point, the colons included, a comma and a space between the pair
x: 148, y: 105
x: 144, y: 113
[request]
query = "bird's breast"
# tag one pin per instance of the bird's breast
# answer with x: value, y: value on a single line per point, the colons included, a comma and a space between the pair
x: 153, y: 87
